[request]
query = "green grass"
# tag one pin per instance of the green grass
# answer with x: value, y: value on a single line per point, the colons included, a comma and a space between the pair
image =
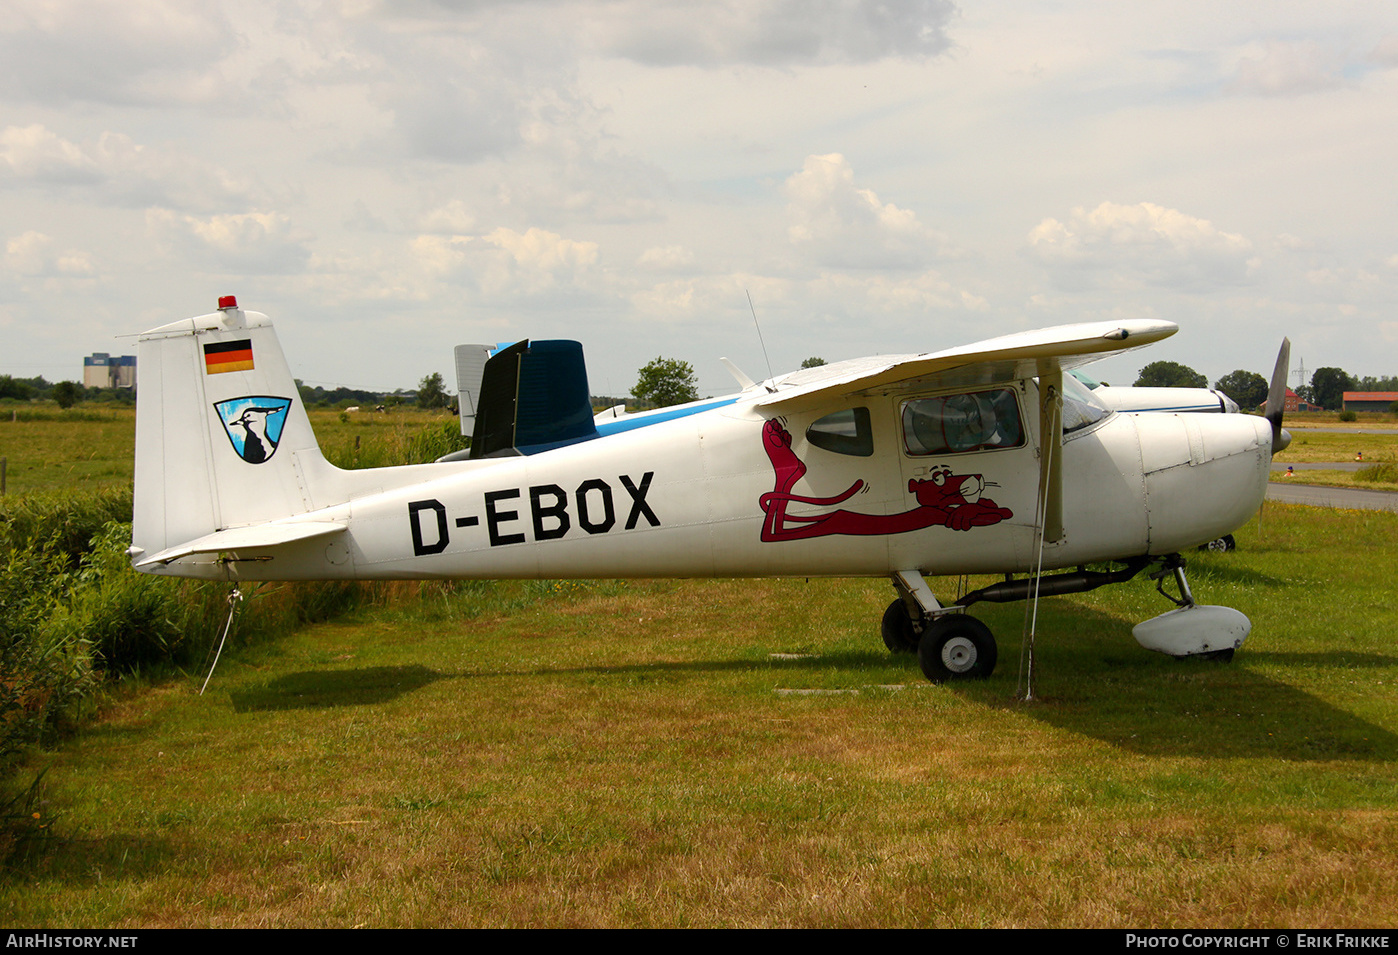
x: 1381, y: 481
x: 1320, y: 447
x: 633, y: 753
x: 94, y: 446
x: 46, y: 448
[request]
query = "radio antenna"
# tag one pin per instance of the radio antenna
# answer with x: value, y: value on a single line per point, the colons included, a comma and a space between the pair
x: 770, y: 374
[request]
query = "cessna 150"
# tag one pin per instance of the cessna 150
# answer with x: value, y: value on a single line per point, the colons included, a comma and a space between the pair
x: 985, y: 458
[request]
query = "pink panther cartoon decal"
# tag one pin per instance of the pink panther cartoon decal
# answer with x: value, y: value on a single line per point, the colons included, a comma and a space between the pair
x: 944, y: 499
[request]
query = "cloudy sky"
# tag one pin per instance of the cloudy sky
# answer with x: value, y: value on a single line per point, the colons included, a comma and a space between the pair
x: 389, y: 178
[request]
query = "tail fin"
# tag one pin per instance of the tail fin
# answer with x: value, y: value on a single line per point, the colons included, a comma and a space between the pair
x: 222, y: 438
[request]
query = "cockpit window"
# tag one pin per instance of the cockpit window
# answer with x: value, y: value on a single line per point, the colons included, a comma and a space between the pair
x: 1080, y: 406
x: 979, y: 421
x: 844, y: 432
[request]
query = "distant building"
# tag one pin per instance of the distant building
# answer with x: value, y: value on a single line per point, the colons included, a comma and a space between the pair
x: 1369, y: 400
x: 101, y: 370
x: 1293, y: 402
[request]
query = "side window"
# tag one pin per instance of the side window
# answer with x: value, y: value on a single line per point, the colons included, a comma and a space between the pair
x: 980, y: 421
x: 844, y: 432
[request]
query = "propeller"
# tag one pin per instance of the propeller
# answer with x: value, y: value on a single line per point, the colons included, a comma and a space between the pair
x: 1276, y: 398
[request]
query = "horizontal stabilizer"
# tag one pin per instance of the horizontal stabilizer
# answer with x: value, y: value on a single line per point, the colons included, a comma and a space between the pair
x: 255, y: 537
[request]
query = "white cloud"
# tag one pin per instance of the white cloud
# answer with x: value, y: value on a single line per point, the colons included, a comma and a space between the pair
x: 770, y: 32
x: 841, y: 225
x: 452, y: 218
x: 110, y: 51
x: 35, y: 153
x: 33, y: 254
x: 506, y: 263
x: 1385, y: 52
x: 541, y: 250
x: 1142, y: 244
x: 666, y: 258
x: 118, y: 171
x: 1274, y: 68
x: 536, y: 261
x: 252, y: 242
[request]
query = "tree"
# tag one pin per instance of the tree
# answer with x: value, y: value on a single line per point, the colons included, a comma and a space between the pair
x: 813, y: 362
x: 1247, y: 388
x: 1170, y: 374
x: 15, y: 388
x: 67, y: 393
x: 430, y: 393
x: 666, y: 381
x: 1328, y: 387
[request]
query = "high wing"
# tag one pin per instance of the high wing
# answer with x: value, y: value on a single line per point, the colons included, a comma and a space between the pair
x: 1021, y: 355
x: 1044, y: 354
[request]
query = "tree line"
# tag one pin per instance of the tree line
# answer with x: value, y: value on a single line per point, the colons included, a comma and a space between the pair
x: 1249, y: 389
x: 65, y: 393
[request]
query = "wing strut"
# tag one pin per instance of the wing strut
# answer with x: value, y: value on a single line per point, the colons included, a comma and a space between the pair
x: 1050, y: 448
x: 1050, y: 510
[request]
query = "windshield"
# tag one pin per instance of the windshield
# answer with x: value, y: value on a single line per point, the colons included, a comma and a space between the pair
x: 1080, y: 406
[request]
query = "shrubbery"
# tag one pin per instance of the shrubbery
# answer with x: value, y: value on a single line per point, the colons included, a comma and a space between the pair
x: 1378, y: 474
x: 74, y: 613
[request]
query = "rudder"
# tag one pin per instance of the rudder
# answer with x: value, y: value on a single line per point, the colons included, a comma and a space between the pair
x: 222, y: 438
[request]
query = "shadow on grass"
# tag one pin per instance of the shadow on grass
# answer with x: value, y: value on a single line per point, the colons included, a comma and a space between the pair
x: 89, y: 862
x: 316, y: 689
x: 1092, y: 679
x: 1203, y: 570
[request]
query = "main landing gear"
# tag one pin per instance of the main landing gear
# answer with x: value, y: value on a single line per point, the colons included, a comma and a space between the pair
x: 950, y: 645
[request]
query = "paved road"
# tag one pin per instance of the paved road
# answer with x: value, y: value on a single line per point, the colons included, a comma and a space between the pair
x: 1350, y: 498
x: 1324, y: 466
x: 1296, y: 429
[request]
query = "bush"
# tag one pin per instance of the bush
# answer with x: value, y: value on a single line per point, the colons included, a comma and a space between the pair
x: 1348, y: 416
x: 1378, y: 474
x: 429, y: 444
x: 64, y: 522
x: 45, y: 670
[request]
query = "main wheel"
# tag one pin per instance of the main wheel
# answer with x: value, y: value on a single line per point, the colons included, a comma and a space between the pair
x: 1220, y: 544
x: 897, y: 629
x: 956, y: 647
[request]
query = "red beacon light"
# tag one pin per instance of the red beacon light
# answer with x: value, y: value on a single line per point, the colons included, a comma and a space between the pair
x: 227, y: 301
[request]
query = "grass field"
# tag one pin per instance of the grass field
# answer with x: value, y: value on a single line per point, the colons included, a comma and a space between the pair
x: 94, y: 445
x: 739, y: 753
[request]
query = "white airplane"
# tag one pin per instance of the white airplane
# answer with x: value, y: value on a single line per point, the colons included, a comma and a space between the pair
x: 975, y: 460
x: 1205, y: 400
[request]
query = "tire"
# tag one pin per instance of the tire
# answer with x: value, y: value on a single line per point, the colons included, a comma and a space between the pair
x: 897, y: 629
x: 1220, y: 545
x: 956, y: 647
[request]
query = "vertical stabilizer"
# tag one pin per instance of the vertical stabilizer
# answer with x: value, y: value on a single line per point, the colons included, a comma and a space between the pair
x: 222, y: 439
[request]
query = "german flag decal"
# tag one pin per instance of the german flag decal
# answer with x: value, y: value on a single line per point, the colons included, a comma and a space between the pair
x: 228, y: 356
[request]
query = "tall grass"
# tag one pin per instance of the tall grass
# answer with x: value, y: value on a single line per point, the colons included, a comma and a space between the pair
x: 74, y: 614
x: 1384, y: 473
x: 402, y: 443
